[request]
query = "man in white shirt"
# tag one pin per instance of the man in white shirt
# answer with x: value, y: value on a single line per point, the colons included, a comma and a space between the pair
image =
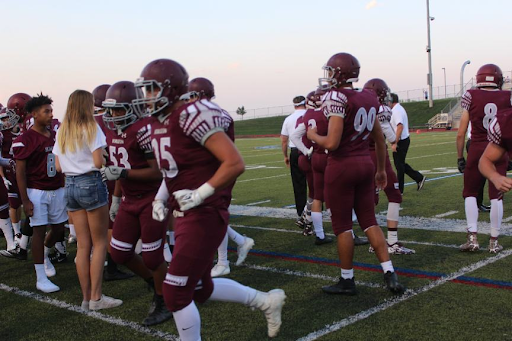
x: 400, y: 124
x: 298, y: 177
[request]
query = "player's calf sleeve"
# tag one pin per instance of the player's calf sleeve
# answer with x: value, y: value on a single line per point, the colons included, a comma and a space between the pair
x: 471, y: 213
x: 227, y: 290
x: 393, y: 211
x: 188, y: 322
x: 222, y: 252
x: 317, y: 224
x: 5, y: 226
x: 496, y: 217
x: 235, y: 236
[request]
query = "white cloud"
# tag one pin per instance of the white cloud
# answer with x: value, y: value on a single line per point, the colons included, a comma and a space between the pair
x: 371, y: 4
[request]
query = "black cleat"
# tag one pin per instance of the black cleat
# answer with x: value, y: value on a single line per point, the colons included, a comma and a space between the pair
x: 325, y: 240
x: 391, y: 280
x: 118, y: 275
x: 300, y: 222
x: 343, y: 287
x: 57, y: 257
x: 308, y: 229
x: 358, y: 241
x: 158, y: 312
x: 484, y: 208
x: 17, y: 253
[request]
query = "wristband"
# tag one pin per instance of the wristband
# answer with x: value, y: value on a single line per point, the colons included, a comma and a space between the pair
x: 205, y: 191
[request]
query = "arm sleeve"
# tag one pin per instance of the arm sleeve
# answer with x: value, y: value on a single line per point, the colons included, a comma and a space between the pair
x: 494, y: 132
x: 296, y: 138
x: 465, y: 102
x: 334, y: 104
x: 144, y: 141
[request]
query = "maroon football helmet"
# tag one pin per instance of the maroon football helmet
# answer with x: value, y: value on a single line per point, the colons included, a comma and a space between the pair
x: 341, y: 69
x: 15, y: 110
x: 380, y: 88
x: 162, y: 82
x: 311, y: 100
x: 120, y: 95
x: 319, y: 94
x: 489, y: 75
x: 203, y: 87
x: 99, y: 94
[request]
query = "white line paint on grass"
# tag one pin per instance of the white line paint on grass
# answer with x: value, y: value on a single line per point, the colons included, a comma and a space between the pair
x: 406, y: 222
x: 267, y: 177
x: 506, y: 220
x: 272, y: 229
x: 446, y: 214
x: 94, y: 314
x: 246, y: 157
x: 408, y: 294
x: 308, y: 275
x: 258, y: 202
x: 433, y: 155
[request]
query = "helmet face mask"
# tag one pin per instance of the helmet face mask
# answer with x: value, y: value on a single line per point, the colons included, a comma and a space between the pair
x: 9, y: 119
x: 112, y: 120
x: 150, y: 99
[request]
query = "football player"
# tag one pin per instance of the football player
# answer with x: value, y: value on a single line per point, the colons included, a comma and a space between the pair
x: 132, y: 163
x: 306, y: 147
x: 381, y: 90
x: 112, y: 273
x: 11, y: 129
x: 200, y: 164
x: 41, y: 187
x: 350, y: 171
x: 480, y: 107
x: 202, y: 88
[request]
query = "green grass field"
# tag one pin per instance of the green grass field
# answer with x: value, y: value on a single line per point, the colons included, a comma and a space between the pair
x: 451, y: 296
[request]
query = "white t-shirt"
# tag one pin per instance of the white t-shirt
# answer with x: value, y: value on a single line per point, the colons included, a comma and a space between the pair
x: 399, y: 116
x: 289, y: 125
x: 81, y: 161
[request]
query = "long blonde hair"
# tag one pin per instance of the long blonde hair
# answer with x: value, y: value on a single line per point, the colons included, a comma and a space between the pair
x: 79, y: 125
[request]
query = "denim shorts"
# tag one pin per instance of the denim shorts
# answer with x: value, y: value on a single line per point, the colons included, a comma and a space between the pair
x: 86, y: 192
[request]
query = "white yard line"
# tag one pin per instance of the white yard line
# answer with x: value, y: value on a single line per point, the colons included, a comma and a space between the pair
x: 258, y: 202
x: 307, y: 275
x: 406, y: 222
x: 506, y: 220
x: 246, y: 157
x: 432, y: 155
x: 446, y: 214
x: 298, y: 231
x: 267, y: 177
x: 408, y: 294
x: 94, y: 314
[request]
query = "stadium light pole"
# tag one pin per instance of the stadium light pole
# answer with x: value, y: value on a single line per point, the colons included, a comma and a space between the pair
x: 429, y: 49
x: 444, y: 70
x: 462, y: 76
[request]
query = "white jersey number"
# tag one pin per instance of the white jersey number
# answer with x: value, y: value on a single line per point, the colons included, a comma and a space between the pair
x: 123, y: 153
x: 161, y: 152
x: 490, y: 111
x: 363, y: 122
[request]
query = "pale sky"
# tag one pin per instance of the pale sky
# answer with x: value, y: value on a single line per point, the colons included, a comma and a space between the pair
x: 257, y: 53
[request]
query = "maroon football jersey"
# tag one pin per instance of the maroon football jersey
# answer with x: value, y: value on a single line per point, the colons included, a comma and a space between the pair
x: 358, y: 110
x: 229, y: 125
x: 500, y: 129
x: 177, y: 142
x: 130, y: 149
x: 36, y: 149
x: 316, y: 118
x: 482, y: 106
x: 9, y: 136
x: 304, y: 137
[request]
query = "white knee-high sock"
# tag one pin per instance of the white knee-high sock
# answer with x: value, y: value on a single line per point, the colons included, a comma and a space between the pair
x: 227, y: 290
x: 16, y: 227
x: 222, y: 251
x: 235, y: 236
x: 188, y: 323
x: 471, y: 213
x: 72, y: 229
x: 496, y: 217
x: 317, y: 224
x: 5, y: 226
x: 171, y: 237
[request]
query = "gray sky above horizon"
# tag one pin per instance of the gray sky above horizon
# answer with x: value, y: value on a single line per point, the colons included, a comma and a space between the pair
x: 258, y: 54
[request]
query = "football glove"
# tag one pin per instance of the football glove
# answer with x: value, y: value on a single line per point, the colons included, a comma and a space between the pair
x: 461, y: 164
x: 159, y: 210
x: 113, y: 173
x: 114, y: 207
x: 7, y: 183
x: 188, y: 199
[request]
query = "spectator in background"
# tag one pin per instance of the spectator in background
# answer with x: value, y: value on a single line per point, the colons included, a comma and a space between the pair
x: 298, y: 177
x: 400, y: 123
x: 79, y: 155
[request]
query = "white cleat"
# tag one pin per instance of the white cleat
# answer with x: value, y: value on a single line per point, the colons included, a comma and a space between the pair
x: 104, y: 302
x: 49, y: 268
x: 494, y: 246
x: 71, y: 239
x: 243, y: 250
x: 220, y: 270
x: 271, y: 303
x: 46, y: 286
